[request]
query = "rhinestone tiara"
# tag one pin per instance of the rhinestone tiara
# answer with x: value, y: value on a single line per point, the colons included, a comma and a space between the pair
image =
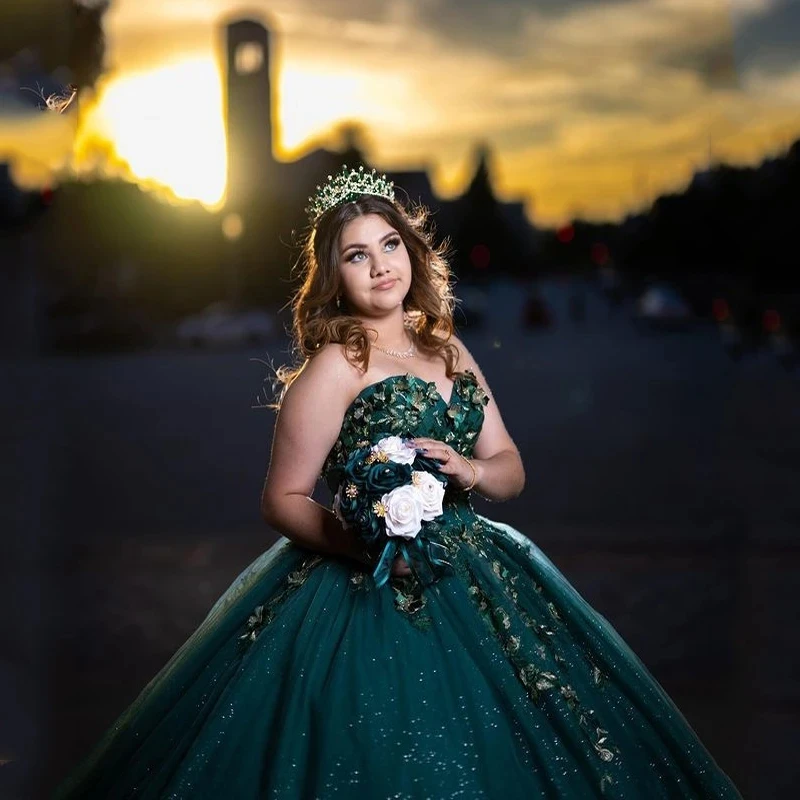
x: 346, y: 185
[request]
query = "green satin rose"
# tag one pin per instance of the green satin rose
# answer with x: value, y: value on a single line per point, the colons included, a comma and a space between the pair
x: 382, y: 477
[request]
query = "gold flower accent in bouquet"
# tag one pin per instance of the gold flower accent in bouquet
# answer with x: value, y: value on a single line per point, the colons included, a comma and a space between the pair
x: 379, y: 509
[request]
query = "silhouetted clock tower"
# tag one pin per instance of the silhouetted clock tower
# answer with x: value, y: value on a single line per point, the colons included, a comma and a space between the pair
x: 253, y: 203
x: 249, y: 114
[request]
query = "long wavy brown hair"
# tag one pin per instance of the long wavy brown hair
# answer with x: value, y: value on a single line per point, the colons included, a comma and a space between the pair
x: 428, y: 306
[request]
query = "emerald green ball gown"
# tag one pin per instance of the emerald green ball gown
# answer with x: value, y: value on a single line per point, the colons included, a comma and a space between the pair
x: 495, y: 681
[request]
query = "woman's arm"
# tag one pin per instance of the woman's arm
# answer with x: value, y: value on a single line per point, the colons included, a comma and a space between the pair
x: 307, y: 426
x: 500, y: 473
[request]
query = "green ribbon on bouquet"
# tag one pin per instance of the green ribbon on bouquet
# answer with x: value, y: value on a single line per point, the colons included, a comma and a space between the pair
x: 424, y: 557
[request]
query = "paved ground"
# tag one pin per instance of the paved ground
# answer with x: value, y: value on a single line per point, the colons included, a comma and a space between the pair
x: 662, y: 479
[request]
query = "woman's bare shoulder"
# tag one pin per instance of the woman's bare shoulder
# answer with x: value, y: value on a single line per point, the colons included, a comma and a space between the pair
x: 465, y: 359
x: 467, y: 363
x: 328, y: 373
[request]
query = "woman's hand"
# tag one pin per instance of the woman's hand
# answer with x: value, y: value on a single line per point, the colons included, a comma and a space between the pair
x: 461, y: 472
x: 400, y: 568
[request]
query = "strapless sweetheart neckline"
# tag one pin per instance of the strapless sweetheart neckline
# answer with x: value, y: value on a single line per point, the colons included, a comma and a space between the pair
x: 372, y: 387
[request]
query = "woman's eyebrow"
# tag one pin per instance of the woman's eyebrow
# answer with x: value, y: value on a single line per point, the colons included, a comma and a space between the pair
x: 356, y: 244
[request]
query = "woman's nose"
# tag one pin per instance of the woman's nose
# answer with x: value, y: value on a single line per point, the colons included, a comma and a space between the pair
x: 379, y: 265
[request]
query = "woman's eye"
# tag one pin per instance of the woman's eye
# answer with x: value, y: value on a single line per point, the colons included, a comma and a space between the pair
x: 391, y: 245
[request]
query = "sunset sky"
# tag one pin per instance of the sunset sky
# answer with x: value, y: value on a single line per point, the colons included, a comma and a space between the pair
x: 592, y: 107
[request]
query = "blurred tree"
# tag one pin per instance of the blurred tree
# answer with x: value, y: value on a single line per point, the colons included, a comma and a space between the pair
x: 45, y: 35
x: 487, y: 240
x: 87, y: 46
x: 351, y: 139
x: 728, y: 234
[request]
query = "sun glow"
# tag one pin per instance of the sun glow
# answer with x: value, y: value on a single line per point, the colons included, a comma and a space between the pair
x: 167, y: 124
x: 314, y: 99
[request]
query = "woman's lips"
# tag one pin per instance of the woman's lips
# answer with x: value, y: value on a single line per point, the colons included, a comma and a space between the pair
x: 386, y: 284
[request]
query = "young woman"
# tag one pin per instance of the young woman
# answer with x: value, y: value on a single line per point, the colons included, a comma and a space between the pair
x: 486, y: 677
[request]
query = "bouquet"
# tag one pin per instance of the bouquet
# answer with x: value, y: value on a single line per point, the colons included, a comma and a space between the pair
x: 391, y: 495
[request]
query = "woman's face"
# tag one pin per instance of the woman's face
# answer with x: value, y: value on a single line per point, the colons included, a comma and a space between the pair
x: 374, y: 265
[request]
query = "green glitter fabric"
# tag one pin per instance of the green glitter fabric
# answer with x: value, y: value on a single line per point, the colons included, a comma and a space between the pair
x: 497, y: 681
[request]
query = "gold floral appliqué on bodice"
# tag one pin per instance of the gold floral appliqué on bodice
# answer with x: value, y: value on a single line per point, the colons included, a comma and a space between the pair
x: 534, y: 640
x: 405, y: 405
x: 408, y: 406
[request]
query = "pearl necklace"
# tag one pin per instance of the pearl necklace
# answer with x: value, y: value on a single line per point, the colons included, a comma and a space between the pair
x: 396, y: 353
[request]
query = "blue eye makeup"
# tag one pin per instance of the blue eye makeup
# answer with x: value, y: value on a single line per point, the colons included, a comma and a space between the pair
x: 394, y: 242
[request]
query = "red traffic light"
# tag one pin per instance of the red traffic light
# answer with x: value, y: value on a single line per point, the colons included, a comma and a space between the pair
x: 480, y: 256
x: 771, y: 320
x: 600, y: 254
x: 565, y: 234
x: 720, y: 310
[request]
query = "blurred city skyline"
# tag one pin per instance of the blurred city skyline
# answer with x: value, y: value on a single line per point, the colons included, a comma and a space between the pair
x: 592, y: 109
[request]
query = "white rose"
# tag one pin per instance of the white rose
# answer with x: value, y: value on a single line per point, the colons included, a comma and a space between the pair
x: 396, y: 450
x: 432, y: 492
x: 403, y: 515
x: 337, y: 508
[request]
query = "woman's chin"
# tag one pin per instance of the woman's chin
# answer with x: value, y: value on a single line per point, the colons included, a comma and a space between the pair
x: 380, y: 310
x: 386, y: 300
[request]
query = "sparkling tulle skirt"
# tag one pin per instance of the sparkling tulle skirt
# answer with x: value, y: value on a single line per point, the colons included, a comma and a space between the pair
x: 497, y: 681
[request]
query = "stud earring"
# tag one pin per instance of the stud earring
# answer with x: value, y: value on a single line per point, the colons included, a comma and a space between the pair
x: 338, y: 301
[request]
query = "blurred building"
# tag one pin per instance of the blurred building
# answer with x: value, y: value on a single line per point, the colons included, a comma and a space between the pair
x: 20, y: 290
x: 267, y: 197
x: 108, y: 261
x: 251, y: 163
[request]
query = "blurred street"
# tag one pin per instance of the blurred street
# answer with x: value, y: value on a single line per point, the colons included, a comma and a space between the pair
x: 613, y: 187
x: 661, y: 478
